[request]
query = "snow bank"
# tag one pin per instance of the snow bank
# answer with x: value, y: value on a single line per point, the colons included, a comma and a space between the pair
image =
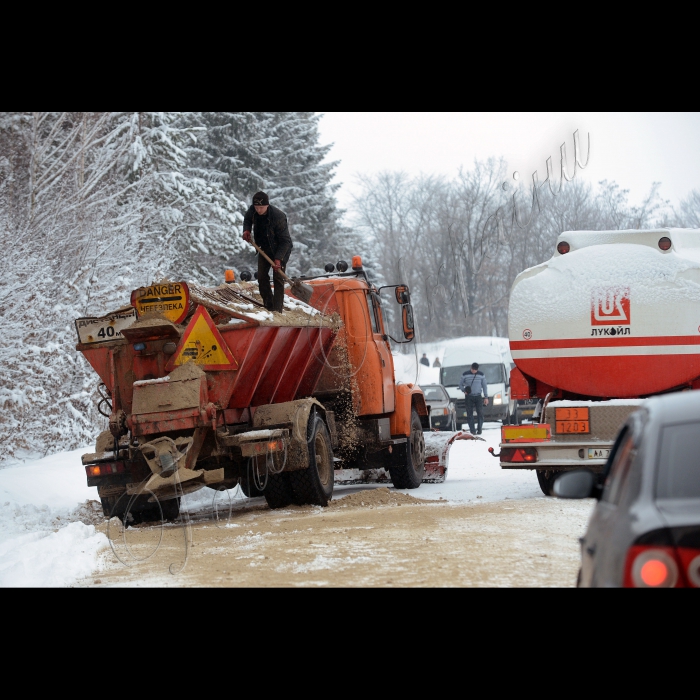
x: 47, y: 535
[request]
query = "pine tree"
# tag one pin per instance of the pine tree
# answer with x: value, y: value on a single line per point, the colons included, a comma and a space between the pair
x: 277, y: 152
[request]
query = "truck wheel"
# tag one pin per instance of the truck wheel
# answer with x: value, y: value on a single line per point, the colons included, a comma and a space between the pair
x: 410, y: 475
x: 314, y: 485
x: 278, y: 492
x: 249, y: 488
x: 546, y: 477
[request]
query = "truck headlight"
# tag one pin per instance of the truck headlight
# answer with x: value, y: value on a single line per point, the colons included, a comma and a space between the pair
x: 497, y: 399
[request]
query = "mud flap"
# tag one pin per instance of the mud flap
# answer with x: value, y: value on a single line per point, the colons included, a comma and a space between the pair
x: 437, y: 453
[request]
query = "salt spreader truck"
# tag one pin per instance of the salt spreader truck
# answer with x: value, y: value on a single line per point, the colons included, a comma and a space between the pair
x: 611, y: 319
x: 205, y: 388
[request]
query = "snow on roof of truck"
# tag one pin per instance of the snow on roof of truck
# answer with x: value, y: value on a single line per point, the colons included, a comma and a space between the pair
x: 567, y: 279
x: 685, y: 241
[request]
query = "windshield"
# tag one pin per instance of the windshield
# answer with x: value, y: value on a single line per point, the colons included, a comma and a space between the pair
x: 434, y: 393
x: 678, y: 475
x: 450, y: 376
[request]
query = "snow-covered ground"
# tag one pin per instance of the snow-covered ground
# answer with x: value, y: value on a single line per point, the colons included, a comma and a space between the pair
x: 46, y: 538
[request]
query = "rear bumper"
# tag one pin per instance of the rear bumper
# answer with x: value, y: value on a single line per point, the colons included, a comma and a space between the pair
x: 563, y: 456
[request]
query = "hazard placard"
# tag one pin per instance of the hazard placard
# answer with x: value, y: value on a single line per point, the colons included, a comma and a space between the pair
x: 202, y: 344
x: 171, y: 299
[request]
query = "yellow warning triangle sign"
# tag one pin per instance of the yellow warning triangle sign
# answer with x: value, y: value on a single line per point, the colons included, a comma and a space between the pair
x: 203, y: 344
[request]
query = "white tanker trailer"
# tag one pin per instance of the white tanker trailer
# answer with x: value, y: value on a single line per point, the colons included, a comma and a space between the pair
x: 611, y: 319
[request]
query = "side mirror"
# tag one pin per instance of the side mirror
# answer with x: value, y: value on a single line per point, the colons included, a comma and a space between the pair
x: 407, y: 317
x: 580, y: 483
x: 403, y: 296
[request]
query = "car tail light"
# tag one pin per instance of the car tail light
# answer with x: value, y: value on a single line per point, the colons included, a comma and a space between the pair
x: 652, y: 567
x: 665, y: 243
x: 105, y: 469
x: 690, y: 564
x: 563, y: 248
x: 434, y: 459
x: 518, y: 454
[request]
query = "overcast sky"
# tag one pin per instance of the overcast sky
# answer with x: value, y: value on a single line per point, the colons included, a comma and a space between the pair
x: 632, y: 148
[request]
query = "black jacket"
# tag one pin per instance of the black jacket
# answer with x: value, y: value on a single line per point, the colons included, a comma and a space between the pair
x: 271, y: 232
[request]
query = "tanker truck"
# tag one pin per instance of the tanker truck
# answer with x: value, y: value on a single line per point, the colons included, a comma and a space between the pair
x: 203, y: 387
x: 610, y: 320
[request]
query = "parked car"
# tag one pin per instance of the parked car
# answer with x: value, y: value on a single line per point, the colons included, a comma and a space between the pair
x: 443, y: 414
x: 645, y: 529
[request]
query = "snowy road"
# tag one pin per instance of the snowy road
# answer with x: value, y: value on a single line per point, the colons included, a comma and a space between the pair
x: 483, y: 527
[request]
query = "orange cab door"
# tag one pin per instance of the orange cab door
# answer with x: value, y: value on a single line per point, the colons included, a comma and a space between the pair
x: 382, y: 344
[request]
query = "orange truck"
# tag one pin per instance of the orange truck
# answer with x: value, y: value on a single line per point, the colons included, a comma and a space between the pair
x: 204, y: 388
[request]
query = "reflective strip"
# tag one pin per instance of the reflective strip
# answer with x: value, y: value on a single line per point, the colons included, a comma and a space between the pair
x: 520, y: 433
x: 606, y: 351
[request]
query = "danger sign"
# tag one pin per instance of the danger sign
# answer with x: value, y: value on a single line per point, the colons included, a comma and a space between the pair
x: 203, y: 344
x: 171, y: 300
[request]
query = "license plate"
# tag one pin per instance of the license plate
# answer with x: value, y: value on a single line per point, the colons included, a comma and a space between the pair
x: 595, y: 453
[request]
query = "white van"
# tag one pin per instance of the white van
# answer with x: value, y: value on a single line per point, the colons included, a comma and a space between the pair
x: 491, y: 355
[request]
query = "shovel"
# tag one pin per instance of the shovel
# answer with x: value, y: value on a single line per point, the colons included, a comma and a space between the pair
x: 299, y: 289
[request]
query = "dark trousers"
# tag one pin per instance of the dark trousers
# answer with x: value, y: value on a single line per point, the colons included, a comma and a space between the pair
x: 475, y: 402
x: 275, y: 303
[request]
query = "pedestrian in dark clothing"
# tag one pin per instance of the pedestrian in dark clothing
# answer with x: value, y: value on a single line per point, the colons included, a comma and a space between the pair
x: 271, y: 233
x: 473, y: 383
x: 424, y: 360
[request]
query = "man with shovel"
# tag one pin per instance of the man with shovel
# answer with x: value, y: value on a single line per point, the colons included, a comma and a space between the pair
x: 271, y: 236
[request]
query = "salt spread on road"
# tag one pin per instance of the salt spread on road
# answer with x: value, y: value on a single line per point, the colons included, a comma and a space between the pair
x: 483, y: 527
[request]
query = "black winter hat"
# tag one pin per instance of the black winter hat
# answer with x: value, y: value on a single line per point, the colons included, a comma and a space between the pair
x: 260, y: 199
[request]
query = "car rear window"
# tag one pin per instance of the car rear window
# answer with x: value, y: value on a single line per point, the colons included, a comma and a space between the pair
x: 678, y: 475
x: 434, y: 393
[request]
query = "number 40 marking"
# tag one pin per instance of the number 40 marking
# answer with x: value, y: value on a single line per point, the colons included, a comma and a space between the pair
x: 106, y: 333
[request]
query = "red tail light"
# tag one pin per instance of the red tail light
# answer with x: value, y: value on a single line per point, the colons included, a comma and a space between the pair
x: 105, y: 469
x: 434, y: 458
x: 690, y: 564
x: 563, y: 248
x: 653, y: 567
x: 518, y: 454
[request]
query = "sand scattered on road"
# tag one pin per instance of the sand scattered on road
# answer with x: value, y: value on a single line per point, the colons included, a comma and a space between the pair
x: 377, y: 497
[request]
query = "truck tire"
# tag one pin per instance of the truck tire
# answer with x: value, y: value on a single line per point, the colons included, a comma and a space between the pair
x: 314, y: 485
x: 410, y: 475
x: 249, y: 488
x: 546, y: 478
x: 278, y: 492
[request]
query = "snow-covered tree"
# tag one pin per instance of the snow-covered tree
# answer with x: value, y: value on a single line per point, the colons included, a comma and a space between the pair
x: 278, y: 152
